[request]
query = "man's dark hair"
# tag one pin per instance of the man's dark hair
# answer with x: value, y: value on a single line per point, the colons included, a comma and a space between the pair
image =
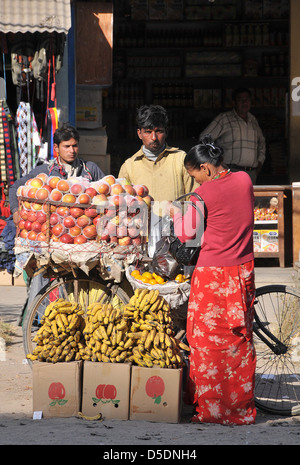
x: 240, y: 90
x: 65, y: 132
x: 152, y: 116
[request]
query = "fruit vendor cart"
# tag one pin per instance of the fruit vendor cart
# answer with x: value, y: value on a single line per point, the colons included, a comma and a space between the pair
x: 93, y: 307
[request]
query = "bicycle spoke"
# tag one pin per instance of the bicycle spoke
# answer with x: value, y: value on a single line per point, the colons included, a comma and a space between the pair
x: 278, y: 374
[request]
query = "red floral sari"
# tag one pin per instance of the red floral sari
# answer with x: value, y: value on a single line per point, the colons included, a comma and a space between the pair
x: 219, y: 332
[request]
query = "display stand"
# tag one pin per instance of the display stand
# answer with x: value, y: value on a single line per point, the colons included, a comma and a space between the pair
x: 263, y: 196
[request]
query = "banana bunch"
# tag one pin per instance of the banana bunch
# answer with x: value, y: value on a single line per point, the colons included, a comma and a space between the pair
x: 141, y: 333
x: 103, y: 332
x: 151, y: 329
x: 60, y: 336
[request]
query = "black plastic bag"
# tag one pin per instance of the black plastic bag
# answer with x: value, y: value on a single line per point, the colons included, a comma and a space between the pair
x: 163, y: 263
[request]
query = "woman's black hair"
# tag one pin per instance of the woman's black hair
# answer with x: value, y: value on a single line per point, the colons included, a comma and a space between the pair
x: 205, y: 152
x: 152, y: 116
x: 65, y: 132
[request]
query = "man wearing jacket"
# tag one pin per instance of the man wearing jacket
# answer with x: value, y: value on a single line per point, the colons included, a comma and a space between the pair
x: 65, y: 164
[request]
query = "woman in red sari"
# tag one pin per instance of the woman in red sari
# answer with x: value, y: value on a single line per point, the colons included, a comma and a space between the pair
x: 220, y: 311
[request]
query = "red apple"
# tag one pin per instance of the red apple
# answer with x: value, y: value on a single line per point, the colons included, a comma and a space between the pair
x: 43, y: 176
x: 110, y: 179
x: 96, y: 220
x: 56, y: 195
x: 31, y: 192
x: 32, y: 235
x: 45, y: 228
x: 63, y: 185
x: 54, y: 219
x: 27, y: 205
x: 69, y: 222
x: 63, y: 211
x: 83, y: 221
x: 36, y: 206
x: 91, y: 192
x: 148, y: 199
x: 24, y: 233
x: 42, y: 194
x: 24, y: 214
x: 76, y: 211
x: 36, y: 182
x: 116, y: 189
x: 68, y: 198
x: 90, y: 231
x: 66, y: 238
x: 77, y: 188
x: 21, y: 224
x: 91, y: 212
x: 102, y: 187
x: 84, y: 199
x: 75, y: 231
x: 32, y: 216
x: 129, y: 189
x: 117, y: 200
x: 41, y: 237
x: 79, y: 239
x: 124, y: 240
x: 36, y: 226
x: 140, y: 190
x: 58, y: 230
x: 104, y: 236
x: 52, y: 181
x: 41, y: 217
x: 28, y: 225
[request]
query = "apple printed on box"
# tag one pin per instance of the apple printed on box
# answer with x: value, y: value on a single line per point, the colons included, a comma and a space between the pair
x: 155, y: 388
x: 106, y: 393
x: 56, y: 394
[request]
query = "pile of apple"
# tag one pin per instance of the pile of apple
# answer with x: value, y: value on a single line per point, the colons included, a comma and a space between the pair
x: 110, y: 210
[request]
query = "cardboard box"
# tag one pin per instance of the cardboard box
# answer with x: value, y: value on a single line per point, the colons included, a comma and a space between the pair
x: 92, y: 142
x: 269, y: 240
x: 89, y: 108
x: 106, y: 389
x: 103, y: 161
x: 155, y: 394
x: 57, y: 388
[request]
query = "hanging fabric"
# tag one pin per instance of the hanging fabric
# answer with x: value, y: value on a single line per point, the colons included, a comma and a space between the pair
x: 9, y: 161
x: 28, y: 137
x: 2, y: 153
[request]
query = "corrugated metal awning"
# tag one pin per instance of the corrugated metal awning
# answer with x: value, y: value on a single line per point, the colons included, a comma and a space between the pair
x: 35, y: 16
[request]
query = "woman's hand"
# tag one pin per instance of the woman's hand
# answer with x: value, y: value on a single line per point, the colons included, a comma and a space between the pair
x: 16, y: 218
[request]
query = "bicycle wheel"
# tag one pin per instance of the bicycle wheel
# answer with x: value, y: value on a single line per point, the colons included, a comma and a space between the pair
x: 277, y: 344
x: 82, y: 290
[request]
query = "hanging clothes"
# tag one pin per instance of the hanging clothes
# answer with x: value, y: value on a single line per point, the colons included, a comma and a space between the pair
x: 28, y: 137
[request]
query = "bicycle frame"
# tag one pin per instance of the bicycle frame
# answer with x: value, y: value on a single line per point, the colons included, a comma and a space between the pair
x: 277, y: 346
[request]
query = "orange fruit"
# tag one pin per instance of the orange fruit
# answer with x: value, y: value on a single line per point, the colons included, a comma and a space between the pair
x: 152, y: 282
x: 179, y: 278
x: 158, y: 278
x: 135, y: 273
x: 147, y: 275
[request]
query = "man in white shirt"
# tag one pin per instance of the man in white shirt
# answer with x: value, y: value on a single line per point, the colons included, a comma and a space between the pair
x: 238, y: 133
